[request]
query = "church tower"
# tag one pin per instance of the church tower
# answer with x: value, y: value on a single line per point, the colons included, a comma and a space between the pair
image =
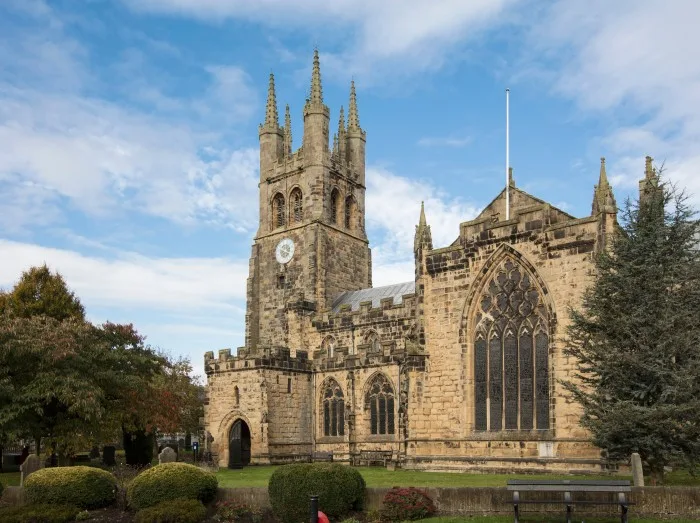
x: 311, y: 243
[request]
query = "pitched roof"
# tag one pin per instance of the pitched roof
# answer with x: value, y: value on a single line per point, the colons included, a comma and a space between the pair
x: 375, y: 295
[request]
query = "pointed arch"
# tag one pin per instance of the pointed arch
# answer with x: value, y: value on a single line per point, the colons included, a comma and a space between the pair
x: 350, y: 213
x: 380, y: 402
x: 507, y: 326
x: 296, y: 205
x: 335, y: 206
x: 373, y: 341
x: 332, y: 404
x: 328, y: 345
x: 278, y: 211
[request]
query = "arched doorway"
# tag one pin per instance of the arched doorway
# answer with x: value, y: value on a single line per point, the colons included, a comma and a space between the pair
x: 239, y: 445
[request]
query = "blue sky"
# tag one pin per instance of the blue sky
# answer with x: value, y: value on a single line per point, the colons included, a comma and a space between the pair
x: 128, y: 129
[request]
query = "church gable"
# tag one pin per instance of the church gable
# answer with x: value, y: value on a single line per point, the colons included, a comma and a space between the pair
x: 519, y: 199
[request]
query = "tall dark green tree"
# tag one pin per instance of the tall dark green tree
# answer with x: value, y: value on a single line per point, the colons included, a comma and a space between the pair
x: 637, y: 334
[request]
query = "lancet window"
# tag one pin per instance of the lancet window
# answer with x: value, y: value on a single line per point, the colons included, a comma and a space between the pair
x: 278, y: 210
x: 333, y: 409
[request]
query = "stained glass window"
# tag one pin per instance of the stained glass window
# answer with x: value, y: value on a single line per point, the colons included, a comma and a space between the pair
x: 511, y: 353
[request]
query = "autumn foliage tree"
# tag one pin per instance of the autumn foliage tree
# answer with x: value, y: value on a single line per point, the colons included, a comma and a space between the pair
x: 73, y: 383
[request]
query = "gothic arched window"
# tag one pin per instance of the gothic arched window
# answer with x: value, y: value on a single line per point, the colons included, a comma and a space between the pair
x: 333, y: 409
x: 335, y: 203
x: 278, y: 210
x: 380, y: 401
x: 350, y: 210
x: 511, y: 352
x: 297, y: 205
x: 372, y: 339
x: 328, y: 345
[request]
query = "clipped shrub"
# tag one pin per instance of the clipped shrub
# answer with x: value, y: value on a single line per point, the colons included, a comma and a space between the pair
x: 170, y: 481
x: 173, y: 511
x: 407, y: 503
x: 39, y: 514
x: 340, y: 489
x: 233, y: 511
x: 84, y: 487
x: 1, y: 486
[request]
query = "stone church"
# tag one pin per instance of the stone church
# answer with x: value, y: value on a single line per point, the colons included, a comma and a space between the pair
x: 457, y: 369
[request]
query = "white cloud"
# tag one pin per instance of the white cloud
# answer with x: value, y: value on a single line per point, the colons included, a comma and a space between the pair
x: 135, y: 281
x: 393, y: 209
x: 636, y: 64
x: 414, y: 33
x: 60, y: 147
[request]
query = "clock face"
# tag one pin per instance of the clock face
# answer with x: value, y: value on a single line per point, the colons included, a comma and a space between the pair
x: 285, y: 250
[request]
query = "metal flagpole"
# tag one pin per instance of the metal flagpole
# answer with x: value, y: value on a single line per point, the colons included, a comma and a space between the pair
x: 507, y: 154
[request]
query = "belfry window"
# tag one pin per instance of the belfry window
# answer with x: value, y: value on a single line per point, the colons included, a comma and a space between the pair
x: 278, y: 210
x: 333, y: 409
x: 380, y: 401
x: 350, y: 213
x: 511, y: 353
x: 335, y: 201
x: 297, y: 205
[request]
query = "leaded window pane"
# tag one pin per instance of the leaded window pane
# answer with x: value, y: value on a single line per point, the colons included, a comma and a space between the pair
x: 542, y: 380
x: 326, y: 419
x: 380, y: 399
x: 526, y: 372
x: 390, y: 415
x: 373, y: 416
x: 496, y: 383
x: 510, y: 365
x: 481, y: 383
x: 341, y: 417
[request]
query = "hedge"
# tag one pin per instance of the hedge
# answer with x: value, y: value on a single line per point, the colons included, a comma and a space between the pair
x: 171, y: 481
x: 84, y: 487
x: 39, y: 514
x: 174, y: 511
x: 340, y: 489
x: 1, y: 485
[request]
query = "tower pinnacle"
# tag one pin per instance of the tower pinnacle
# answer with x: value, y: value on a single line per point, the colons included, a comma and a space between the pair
x: 353, y: 118
x: 316, y: 90
x: 271, y: 116
x: 603, y: 198
x: 423, y: 235
x: 287, y: 133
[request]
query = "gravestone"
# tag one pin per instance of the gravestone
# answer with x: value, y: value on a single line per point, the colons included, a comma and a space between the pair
x: 95, y: 453
x: 31, y: 464
x: 637, y: 470
x: 109, y: 456
x: 167, y: 455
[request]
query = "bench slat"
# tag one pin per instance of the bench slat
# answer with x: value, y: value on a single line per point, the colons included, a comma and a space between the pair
x: 567, y: 488
x: 616, y: 483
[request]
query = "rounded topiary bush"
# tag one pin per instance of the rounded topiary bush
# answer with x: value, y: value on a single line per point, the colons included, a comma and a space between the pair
x: 407, y: 503
x: 84, y: 487
x: 340, y: 489
x: 171, y: 481
x: 39, y: 514
x: 174, y: 511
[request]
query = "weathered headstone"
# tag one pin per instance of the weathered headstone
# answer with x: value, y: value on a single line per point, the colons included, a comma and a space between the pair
x: 109, y: 455
x: 637, y: 470
x: 31, y: 464
x: 95, y: 453
x: 167, y: 455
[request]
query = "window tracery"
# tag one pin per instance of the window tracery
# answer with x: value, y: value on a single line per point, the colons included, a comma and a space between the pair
x: 333, y: 409
x: 297, y: 205
x: 511, y: 353
x: 380, y: 401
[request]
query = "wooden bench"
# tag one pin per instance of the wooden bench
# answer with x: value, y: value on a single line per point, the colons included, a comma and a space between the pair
x: 375, y: 456
x: 567, y: 488
x: 322, y: 456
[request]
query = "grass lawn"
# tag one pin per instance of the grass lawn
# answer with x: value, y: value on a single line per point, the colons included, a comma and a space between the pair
x: 258, y: 476
x: 10, y: 479
x: 543, y: 519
